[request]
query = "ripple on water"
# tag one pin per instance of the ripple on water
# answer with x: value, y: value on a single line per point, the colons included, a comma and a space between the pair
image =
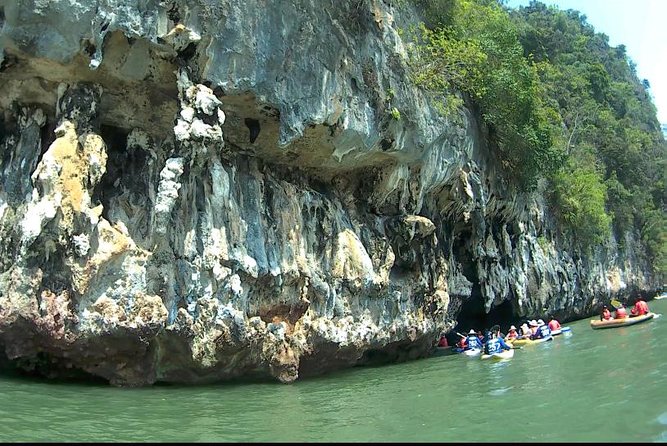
x: 496, y: 392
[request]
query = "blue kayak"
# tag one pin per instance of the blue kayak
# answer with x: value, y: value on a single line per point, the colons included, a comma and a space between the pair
x: 562, y: 330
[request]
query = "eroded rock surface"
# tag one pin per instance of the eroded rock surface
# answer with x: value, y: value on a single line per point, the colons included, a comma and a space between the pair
x: 200, y: 191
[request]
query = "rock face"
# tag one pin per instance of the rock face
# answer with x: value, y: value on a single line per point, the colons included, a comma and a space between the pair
x: 197, y: 191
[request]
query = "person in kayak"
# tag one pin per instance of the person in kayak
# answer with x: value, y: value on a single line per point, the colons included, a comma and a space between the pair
x: 525, y: 331
x: 533, y: 327
x: 542, y: 331
x: 472, y: 341
x: 606, y: 314
x: 496, y: 329
x: 462, y: 344
x: 495, y: 344
x: 442, y: 342
x: 512, y: 334
x: 621, y: 313
x: 554, y: 324
x: 640, y: 308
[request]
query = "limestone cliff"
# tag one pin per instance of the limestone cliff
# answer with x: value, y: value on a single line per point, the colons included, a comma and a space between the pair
x: 195, y: 191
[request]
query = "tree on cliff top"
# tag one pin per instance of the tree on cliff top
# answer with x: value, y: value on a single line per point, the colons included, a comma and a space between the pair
x: 559, y: 103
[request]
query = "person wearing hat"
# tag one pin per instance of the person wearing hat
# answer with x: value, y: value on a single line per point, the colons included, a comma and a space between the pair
x: 606, y: 314
x: 525, y: 331
x: 473, y: 341
x: 542, y: 330
x: 533, y: 327
x: 512, y: 334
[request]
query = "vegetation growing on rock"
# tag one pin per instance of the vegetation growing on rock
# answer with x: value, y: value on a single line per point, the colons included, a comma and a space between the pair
x: 560, y: 104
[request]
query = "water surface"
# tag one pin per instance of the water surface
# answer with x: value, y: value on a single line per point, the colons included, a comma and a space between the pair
x: 596, y: 385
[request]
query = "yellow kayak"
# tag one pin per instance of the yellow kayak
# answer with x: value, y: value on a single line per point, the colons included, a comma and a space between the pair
x: 525, y: 341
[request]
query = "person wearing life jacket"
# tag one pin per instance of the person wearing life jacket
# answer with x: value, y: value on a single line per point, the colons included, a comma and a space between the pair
x: 462, y: 344
x: 442, y: 342
x: 542, y: 331
x: 640, y: 308
x: 621, y: 313
x: 512, y: 334
x: 473, y: 341
x: 554, y: 324
x: 533, y: 327
x: 606, y: 314
x: 495, y: 344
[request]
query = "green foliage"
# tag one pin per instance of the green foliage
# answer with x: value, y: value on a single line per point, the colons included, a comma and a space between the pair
x: 477, y: 51
x: 653, y: 231
x: 559, y: 103
x: 543, y: 242
x: 395, y: 113
x: 608, y: 116
x: 580, y: 195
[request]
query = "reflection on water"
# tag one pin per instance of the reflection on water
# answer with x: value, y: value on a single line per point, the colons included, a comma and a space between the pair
x: 602, y: 385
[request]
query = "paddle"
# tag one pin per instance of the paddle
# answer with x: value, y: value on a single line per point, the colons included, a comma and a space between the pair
x: 616, y: 304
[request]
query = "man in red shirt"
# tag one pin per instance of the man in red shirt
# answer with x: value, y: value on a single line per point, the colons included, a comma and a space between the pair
x: 554, y: 324
x: 640, y: 308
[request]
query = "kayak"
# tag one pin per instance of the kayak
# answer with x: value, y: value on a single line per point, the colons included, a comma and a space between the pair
x: 531, y: 341
x: 662, y: 296
x: 561, y: 331
x: 613, y: 323
x: 472, y: 352
x: 467, y: 351
x: 505, y: 354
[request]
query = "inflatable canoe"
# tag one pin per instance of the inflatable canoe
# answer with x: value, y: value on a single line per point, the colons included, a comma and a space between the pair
x: 662, y: 296
x: 531, y: 341
x: 505, y: 354
x: 560, y: 331
x: 613, y: 323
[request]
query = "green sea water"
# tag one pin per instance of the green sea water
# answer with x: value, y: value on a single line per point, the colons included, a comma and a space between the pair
x: 593, y: 386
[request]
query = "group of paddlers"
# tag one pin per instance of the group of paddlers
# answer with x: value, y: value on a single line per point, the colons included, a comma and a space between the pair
x: 533, y: 329
x: 639, y: 309
x: 493, y: 340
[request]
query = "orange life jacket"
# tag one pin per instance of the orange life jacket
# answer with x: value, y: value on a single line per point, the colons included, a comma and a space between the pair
x: 640, y: 308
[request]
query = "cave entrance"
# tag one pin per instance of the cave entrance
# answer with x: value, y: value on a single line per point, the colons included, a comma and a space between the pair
x: 473, y: 315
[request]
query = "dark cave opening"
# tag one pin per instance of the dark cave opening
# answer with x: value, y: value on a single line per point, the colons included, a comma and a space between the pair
x: 472, y: 312
x: 125, y: 169
x: 473, y: 315
x: 45, y: 368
